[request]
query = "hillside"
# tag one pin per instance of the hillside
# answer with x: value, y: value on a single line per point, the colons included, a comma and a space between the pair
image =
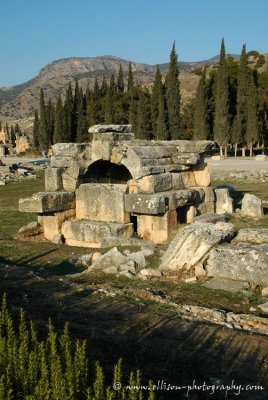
x: 19, y: 102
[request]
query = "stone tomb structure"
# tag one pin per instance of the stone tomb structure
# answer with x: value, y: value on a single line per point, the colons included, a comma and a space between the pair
x: 116, y: 188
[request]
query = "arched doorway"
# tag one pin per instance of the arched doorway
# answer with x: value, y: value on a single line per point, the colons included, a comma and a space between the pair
x: 103, y: 171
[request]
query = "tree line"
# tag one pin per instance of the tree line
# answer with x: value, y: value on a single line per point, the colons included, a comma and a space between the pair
x: 11, y: 131
x: 231, y: 104
x: 153, y: 115
x: 54, y: 368
x: 230, y: 107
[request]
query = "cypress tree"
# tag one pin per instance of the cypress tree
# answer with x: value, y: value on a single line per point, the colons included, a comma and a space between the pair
x: 108, y: 117
x: 36, y: 130
x: 43, y: 126
x: 161, y: 127
x: 60, y: 134
x: 120, y: 79
x: 241, y: 105
x: 82, y: 134
x: 12, y: 136
x: 252, y: 120
x: 104, y: 87
x: 130, y: 81
x: 76, y: 100
x: 141, y: 119
x: 96, y: 102
x: 173, y: 95
x: 50, y: 120
x: 69, y: 111
x: 132, y: 113
x: 221, y: 128
x: 201, y: 129
x: 157, y: 90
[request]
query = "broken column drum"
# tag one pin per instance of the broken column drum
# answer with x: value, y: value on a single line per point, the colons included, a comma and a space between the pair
x: 117, y: 187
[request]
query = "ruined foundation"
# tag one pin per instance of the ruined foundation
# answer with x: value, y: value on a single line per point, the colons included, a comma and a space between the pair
x: 116, y: 188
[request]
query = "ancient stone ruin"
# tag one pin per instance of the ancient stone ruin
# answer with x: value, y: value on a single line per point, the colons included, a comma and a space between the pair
x: 117, y: 189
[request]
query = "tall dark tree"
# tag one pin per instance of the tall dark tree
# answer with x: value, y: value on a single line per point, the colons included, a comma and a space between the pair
x: 120, y: 79
x: 201, y: 128
x: 221, y: 128
x: 13, y: 136
x: 69, y: 113
x: 173, y: 95
x: 104, y: 87
x: 161, y: 122
x: 241, y: 106
x: 157, y: 89
x: 43, y: 126
x: 17, y: 128
x: 130, y: 80
x: 36, y: 130
x: 76, y: 100
x: 60, y: 131
x: 141, y: 132
x: 90, y: 117
x: 108, y: 114
x: 50, y: 114
x: 82, y: 129
x: 252, y: 131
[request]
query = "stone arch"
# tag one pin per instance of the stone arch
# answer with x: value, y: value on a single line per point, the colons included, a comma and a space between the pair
x: 104, y: 171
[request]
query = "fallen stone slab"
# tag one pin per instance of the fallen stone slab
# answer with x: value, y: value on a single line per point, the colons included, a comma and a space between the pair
x: 210, y: 218
x: 224, y: 202
x: 227, y: 285
x: 150, y: 272
x: 241, y: 262
x: 68, y: 149
x: 252, y: 206
x: 110, y: 128
x: 113, y: 258
x: 145, y: 203
x: 45, y: 202
x: 193, y: 244
x: 252, y: 235
x: 30, y: 226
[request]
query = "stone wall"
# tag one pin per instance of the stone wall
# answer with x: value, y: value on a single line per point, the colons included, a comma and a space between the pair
x: 116, y: 184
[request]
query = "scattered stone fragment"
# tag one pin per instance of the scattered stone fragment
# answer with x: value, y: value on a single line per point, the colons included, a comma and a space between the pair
x: 224, y: 203
x: 264, y: 291
x: 227, y: 285
x: 28, y: 227
x: 264, y: 307
x: 211, y: 218
x: 110, y: 270
x: 190, y: 280
x: 252, y: 206
x: 127, y: 274
x: 95, y: 256
x: 252, y: 235
x: 150, y: 272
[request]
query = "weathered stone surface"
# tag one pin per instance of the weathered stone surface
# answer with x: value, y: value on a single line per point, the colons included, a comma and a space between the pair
x: 57, y: 239
x: 243, y: 262
x: 261, y: 157
x: 28, y: 227
x: 202, y: 174
x: 227, y: 285
x: 110, y: 270
x: 69, y: 183
x: 156, y: 227
x: 60, y: 162
x: 193, y: 244
x: 188, y: 179
x: 177, y: 181
x: 224, y: 203
x: 110, y: 128
x: 206, y: 208
x: 113, y: 258
x: 155, y: 183
x: 101, y: 150
x: 138, y: 258
x: 126, y: 274
x: 44, y: 202
x: 192, y: 146
x: 52, y: 223
x: 102, y: 202
x: 150, y: 272
x: 211, y: 218
x: 252, y: 206
x: 68, y: 149
x: 186, y: 158
x: 76, y: 168
x: 264, y: 292
x: 252, y: 235
x: 92, y: 234
x: 145, y: 203
x: 264, y: 307
x: 190, y: 214
x: 53, y: 179
x: 209, y: 194
x: 188, y: 196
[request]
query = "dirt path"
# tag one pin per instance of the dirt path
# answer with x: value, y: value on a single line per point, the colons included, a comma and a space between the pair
x: 165, y: 347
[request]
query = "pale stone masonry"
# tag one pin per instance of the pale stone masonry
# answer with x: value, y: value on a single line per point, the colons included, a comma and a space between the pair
x: 117, y: 188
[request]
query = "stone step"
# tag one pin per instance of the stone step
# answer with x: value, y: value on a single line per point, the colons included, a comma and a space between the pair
x: 46, y: 202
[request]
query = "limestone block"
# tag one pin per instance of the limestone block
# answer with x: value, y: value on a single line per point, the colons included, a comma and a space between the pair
x: 132, y: 186
x: 188, y: 178
x: 60, y: 162
x: 76, y: 168
x: 156, y: 228
x: 252, y: 235
x: 206, y: 208
x: 44, y: 202
x: 110, y: 128
x: 187, y: 158
x: 224, y: 203
x: 261, y: 157
x: 190, y: 214
x: 52, y: 223
x: 192, y: 146
x: 69, y: 183
x: 252, y: 206
x: 101, y: 150
x: 85, y: 233
x: 155, y: 183
x: 188, y: 196
x: 209, y: 194
x: 177, y: 180
x: 211, y: 218
x: 68, y: 149
x: 202, y: 174
x: 102, y: 202
x: 176, y: 168
x: 243, y: 262
x: 53, y: 179
x: 142, y: 203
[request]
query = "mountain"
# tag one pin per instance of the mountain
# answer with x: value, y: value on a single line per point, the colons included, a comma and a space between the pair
x: 20, y: 101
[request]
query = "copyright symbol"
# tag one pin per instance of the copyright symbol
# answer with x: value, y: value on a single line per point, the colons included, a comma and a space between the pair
x: 117, y: 386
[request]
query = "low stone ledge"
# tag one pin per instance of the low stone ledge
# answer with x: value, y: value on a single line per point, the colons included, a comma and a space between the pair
x: 46, y: 202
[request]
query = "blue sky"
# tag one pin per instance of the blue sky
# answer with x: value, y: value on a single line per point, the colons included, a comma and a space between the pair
x: 36, y: 32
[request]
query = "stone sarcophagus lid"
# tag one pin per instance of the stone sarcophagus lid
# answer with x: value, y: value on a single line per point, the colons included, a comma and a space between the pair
x: 116, y: 189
